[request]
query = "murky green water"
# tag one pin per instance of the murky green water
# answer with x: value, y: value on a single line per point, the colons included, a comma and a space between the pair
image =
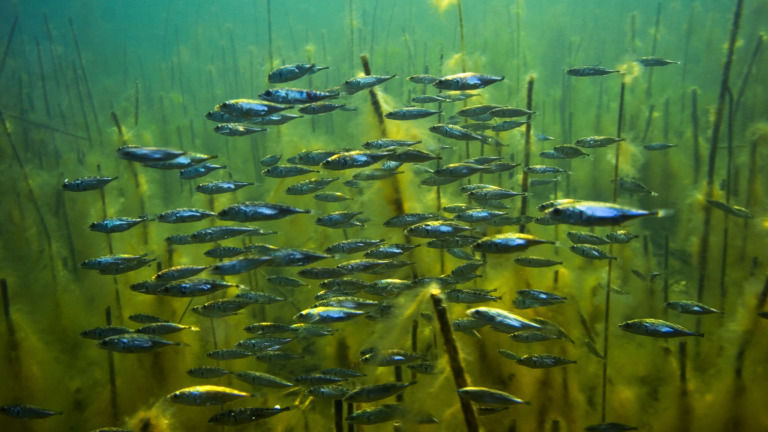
x: 70, y: 72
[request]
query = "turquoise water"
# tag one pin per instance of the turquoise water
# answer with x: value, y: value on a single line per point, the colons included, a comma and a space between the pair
x: 159, y: 67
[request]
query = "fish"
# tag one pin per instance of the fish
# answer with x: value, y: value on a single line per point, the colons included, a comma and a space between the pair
x: 354, y: 85
x: 311, y: 157
x: 569, y: 151
x: 177, y: 273
x: 249, y: 108
x: 501, y: 320
x: 145, y: 318
x: 148, y: 154
x: 254, y: 211
x: 21, y: 411
x: 655, y: 61
x: 690, y: 307
x: 477, y: 110
x: 183, y: 215
x: 207, y: 395
x: 228, y: 354
x: 221, y: 186
x: 510, y: 112
x: 326, y: 315
x: 198, y: 171
x: 337, y: 219
x: 331, y: 197
x: 390, y: 358
x: 538, y: 361
x: 459, y: 170
x: 410, y: 113
x: 236, y: 130
x: 577, y: 237
x: 292, y: 72
x: 594, y: 213
x: 387, y: 143
x: 84, y: 184
x: 408, y: 219
x: 354, y: 159
x: 310, y: 186
x: 466, y: 81
x: 380, y: 414
x: 508, y: 125
x: 535, y: 262
x: 659, y: 146
x: 286, y: 171
x: 596, y: 141
x: 103, y: 332
x: 220, y: 308
x: 508, y: 243
x: 224, y: 252
x: 544, y: 169
x: 241, y: 416
x: 352, y: 246
x: 470, y: 296
x: 739, y: 212
x: 423, y: 79
x: 542, y: 137
x: 158, y: 329
x: 620, y: 237
x: 221, y: 232
x: 131, y: 343
x: 116, y: 224
x: 194, y: 287
x: 587, y: 71
x: 635, y: 187
x: 435, y: 229
x: 425, y: 99
x: 489, y: 396
x: 656, y: 328
x: 455, y: 132
x: 591, y: 252
x: 320, y: 108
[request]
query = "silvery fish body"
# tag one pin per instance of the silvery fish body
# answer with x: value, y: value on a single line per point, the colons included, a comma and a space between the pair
x: 501, y: 320
x: 354, y: 85
x: 656, y: 328
x: 148, y: 154
x: 594, y: 213
x: 353, y: 159
x: 250, y: 108
x: 236, y: 129
x: 115, y: 224
x: 466, y: 81
x: 184, y: 215
x: 455, y: 132
x: 133, y: 343
x: 655, y: 61
x: 508, y: 243
x: 292, y: 72
x: 221, y: 186
x: 198, y: 171
x: 410, y: 113
x: 296, y: 96
x: 207, y: 395
x: 251, y: 211
x: 320, y: 108
x: 83, y: 184
x: 586, y: 71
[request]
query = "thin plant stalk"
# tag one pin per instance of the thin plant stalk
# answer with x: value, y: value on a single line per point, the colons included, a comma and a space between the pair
x: 111, y: 367
x: 85, y: 79
x: 8, y: 44
x: 527, y: 152
x: 716, y: 126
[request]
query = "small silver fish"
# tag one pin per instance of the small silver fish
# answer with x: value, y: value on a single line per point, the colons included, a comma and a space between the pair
x: 236, y: 130
x: 591, y: 252
x: 489, y: 396
x: 27, y: 412
x: 690, y: 307
x: 656, y: 328
x: 587, y: 71
x: 466, y: 81
x: 207, y: 395
x: 292, y: 72
x: 83, y: 184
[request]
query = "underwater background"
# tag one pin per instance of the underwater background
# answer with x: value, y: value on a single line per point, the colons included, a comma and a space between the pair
x: 78, y: 79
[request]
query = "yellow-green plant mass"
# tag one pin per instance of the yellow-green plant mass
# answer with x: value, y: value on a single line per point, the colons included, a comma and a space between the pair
x: 636, y: 129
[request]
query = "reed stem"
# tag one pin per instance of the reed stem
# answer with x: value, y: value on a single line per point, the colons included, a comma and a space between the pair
x: 85, y: 80
x: 454, y: 358
x: 8, y: 44
x: 606, y: 320
x: 717, y: 124
x: 648, y: 89
x: 695, y: 134
x: 42, y: 78
x: 112, y: 379
x: 743, y: 87
x: 136, y: 105
x: 527, y: 152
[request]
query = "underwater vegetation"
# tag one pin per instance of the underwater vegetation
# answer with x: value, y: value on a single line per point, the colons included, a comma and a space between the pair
x: 363, y: 215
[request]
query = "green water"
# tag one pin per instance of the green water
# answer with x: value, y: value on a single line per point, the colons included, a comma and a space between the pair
x: 158, y: 67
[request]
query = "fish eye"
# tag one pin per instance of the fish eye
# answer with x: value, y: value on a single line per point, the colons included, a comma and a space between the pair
x: 556, y: 211
x: 268, y: 92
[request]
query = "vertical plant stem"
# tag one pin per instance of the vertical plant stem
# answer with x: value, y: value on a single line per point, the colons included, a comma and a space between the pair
x: 85, y: 81
x: 8, y: 44
x: 648, y: 89
x: 42, y: 78
x: 82, y: 106
x: 111, y: 367
x: 527, y: 152
x: 695, y: 134
x: 717, y: 124
x: 743, y: 87
x: 136, y: 106
x: 606, y: 320
x: 463, y: 46
x: 457, y: 368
